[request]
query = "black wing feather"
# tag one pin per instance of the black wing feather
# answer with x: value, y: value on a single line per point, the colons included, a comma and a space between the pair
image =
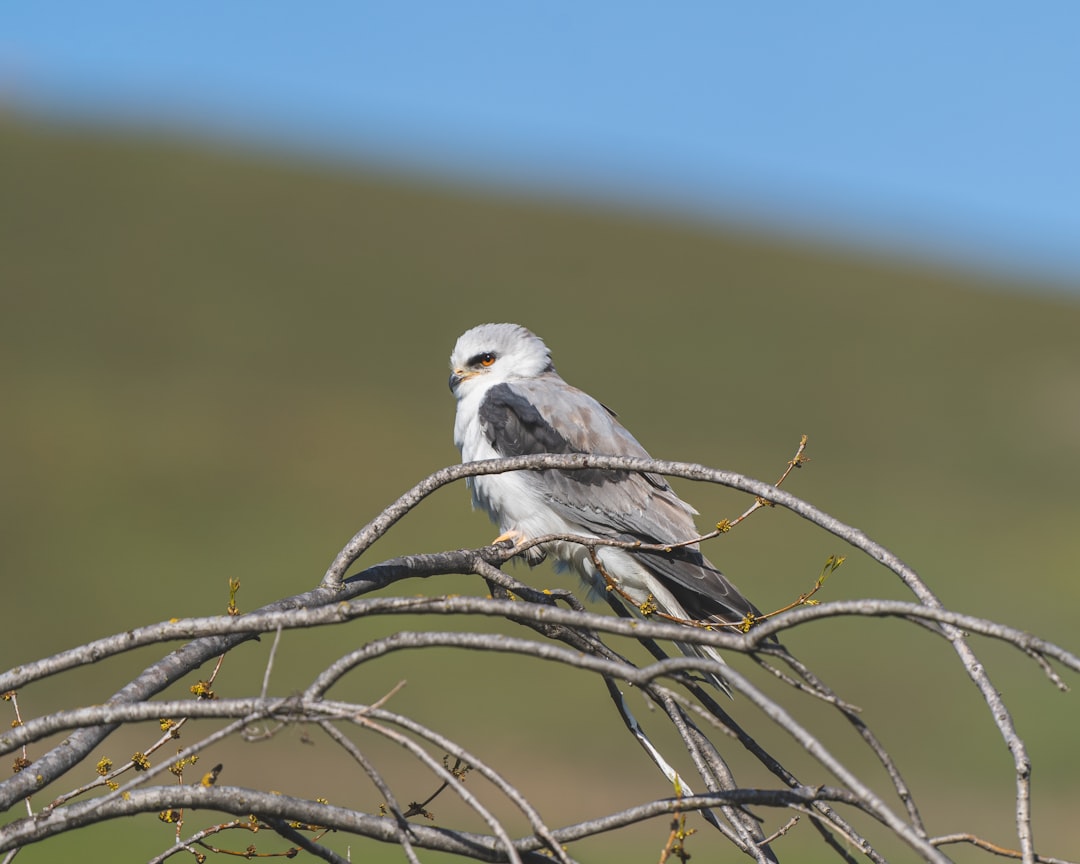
x: 637, y: 507
x: 515, y: 427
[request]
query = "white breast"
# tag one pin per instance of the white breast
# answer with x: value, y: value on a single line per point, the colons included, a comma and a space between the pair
x: 514, y: 501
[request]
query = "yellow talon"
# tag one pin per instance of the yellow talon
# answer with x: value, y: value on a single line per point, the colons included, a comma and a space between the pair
x: 517, y: 538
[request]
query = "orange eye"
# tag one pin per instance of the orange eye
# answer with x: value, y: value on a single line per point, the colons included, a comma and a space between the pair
x: 487, y: 359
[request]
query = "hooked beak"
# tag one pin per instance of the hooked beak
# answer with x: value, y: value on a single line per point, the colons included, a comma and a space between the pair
x: 456, y: 377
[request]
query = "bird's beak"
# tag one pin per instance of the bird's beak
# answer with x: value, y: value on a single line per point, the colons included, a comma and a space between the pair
x: 456, y: 377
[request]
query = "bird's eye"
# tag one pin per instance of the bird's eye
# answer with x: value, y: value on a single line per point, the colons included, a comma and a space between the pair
x: 487, y: 359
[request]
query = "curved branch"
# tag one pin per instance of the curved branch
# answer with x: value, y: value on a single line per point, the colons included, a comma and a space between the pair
x: 691, y: 471
x: 242, y: 802
x: 335, y: 601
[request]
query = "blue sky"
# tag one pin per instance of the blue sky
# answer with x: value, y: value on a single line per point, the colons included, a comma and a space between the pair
x: 951, y: 130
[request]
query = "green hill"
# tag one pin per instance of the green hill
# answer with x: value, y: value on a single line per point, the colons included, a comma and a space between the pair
x: 219, y: 363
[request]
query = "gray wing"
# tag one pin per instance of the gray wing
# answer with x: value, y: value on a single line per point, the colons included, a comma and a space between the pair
x: 547, y: 415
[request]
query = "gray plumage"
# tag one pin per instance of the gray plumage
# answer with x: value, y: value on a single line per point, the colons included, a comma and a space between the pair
x: 512, y: 402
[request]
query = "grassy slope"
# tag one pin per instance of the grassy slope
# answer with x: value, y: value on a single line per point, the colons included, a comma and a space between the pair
x: 216, y: 363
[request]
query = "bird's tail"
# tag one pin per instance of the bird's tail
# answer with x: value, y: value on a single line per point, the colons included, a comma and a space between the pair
x: 708, y: 653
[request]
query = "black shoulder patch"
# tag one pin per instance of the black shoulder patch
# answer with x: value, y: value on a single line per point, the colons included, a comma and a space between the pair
x: 515, y: 428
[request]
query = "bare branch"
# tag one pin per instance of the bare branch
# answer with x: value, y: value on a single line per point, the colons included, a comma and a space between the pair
x: 671, y: 685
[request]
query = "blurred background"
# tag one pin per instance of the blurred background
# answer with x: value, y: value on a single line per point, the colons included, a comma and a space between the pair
x: 237, y: 244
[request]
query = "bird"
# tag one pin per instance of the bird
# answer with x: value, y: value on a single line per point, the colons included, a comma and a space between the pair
x: 512, y: 402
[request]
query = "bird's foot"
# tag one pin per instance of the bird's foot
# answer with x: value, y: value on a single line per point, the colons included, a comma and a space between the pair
x: 515, y: 540
x: 512, y: 539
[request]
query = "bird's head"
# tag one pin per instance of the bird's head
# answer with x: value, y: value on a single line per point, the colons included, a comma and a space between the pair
x: 492, y: 353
